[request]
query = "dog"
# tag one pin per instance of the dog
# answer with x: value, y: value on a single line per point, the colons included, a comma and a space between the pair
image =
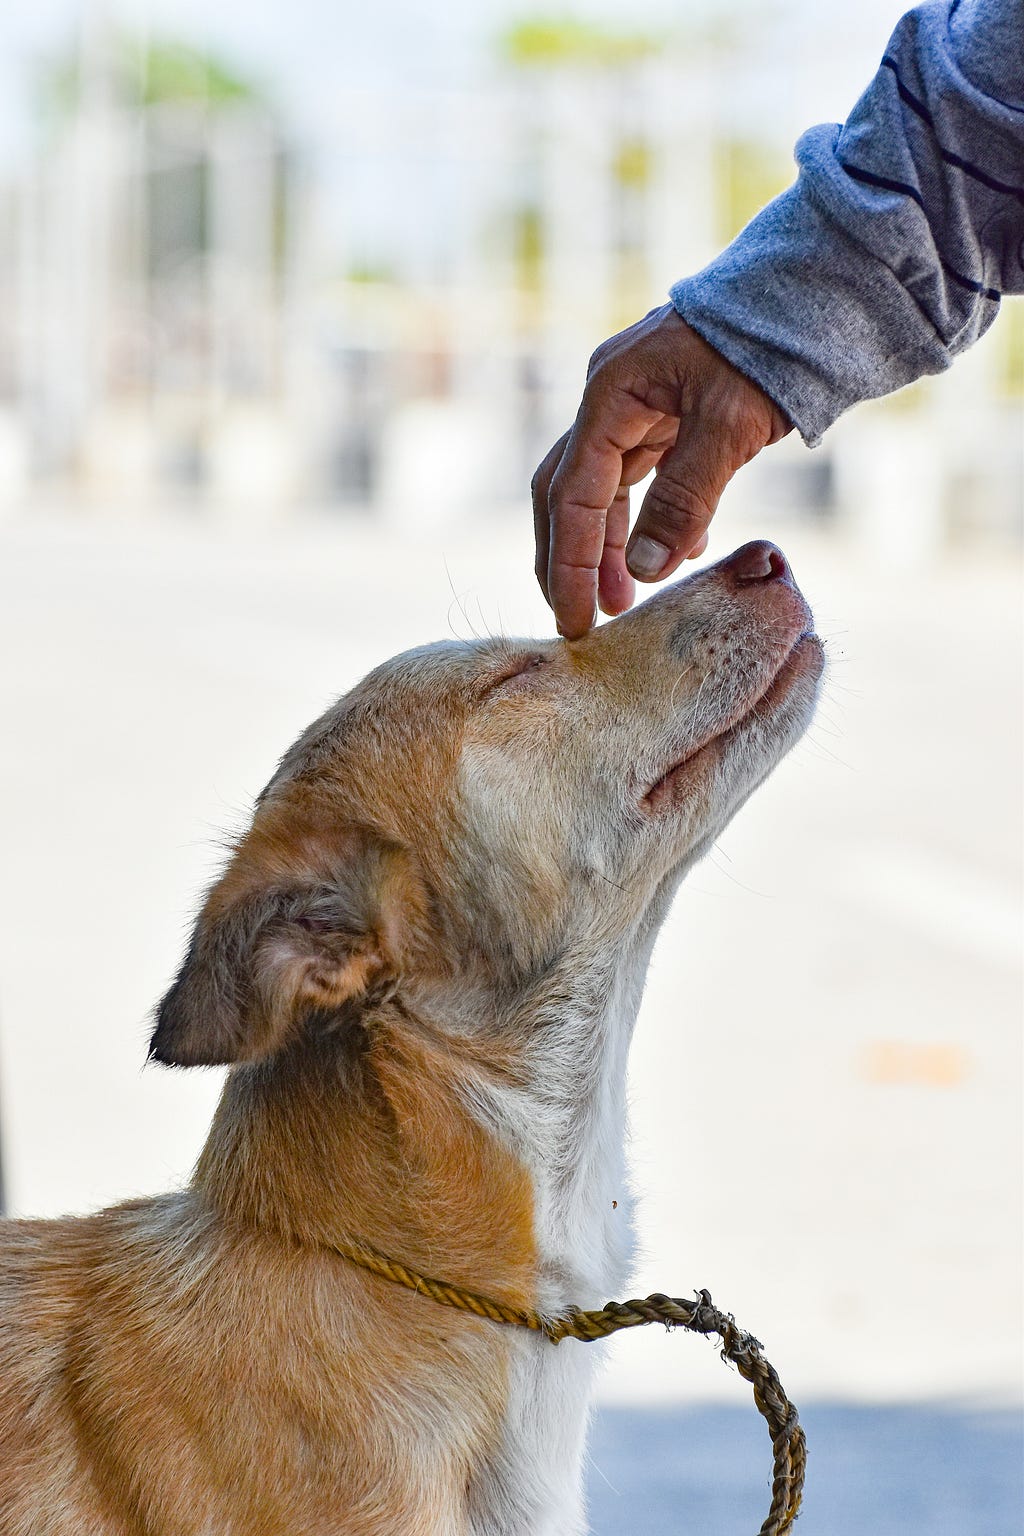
x: 422, y: 963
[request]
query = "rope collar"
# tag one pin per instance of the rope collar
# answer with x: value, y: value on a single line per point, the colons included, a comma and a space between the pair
x: 699, y: 1316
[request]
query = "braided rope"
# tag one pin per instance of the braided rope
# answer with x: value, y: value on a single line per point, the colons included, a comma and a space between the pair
x: 699, y: 1316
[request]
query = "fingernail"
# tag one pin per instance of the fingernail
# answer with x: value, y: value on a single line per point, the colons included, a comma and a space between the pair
x: 646, y: 557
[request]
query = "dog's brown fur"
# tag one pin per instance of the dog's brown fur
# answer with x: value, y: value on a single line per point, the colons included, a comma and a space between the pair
x: 422, y: 962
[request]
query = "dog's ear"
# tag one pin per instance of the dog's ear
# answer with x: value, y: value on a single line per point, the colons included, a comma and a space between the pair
x: 264, y: 958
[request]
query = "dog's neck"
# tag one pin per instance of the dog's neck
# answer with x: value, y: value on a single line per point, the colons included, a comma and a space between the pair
x: 492, y: 1158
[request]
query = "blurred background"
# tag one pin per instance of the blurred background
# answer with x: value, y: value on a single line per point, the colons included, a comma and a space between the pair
x: 292, y: 301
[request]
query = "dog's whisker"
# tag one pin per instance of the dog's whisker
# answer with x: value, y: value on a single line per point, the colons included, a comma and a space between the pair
x: 750, y: 890
x: 696, y: 710
x: 457, y: 601
x: 680, y: 679
x: 816, y: 747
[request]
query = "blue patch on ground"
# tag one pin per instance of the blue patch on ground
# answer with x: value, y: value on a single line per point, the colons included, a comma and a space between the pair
x: 890, y: 1471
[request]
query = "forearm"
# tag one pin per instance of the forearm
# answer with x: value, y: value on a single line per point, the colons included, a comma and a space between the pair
x: 905, y: 227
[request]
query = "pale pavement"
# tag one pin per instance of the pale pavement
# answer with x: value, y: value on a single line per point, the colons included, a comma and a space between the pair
x: 896, y: 1470
x: 827, y: 1074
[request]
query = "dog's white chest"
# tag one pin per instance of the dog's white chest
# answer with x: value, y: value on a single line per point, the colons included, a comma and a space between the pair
x: 533, y: 1484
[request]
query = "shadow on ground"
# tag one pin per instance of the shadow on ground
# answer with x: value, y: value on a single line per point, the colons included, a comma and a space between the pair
x: 893, y: 1471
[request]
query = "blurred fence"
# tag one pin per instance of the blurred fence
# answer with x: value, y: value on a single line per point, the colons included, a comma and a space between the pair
x: 198, y: 304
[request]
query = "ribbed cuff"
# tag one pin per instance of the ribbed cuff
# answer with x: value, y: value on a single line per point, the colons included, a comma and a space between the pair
x: 809, y: 314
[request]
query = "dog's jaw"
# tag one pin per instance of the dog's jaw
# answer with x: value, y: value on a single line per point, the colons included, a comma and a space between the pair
x: 801, y: 666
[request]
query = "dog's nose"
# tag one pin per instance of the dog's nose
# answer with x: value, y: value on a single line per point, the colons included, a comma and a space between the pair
x: 757, y: 561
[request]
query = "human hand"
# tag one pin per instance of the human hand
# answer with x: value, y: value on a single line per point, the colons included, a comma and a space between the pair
x: 657, y: 397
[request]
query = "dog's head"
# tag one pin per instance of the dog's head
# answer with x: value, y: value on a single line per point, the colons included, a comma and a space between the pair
x: 474, y: 810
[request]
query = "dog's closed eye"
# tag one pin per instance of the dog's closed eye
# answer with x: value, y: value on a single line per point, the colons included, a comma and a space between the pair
x: 518, y: 674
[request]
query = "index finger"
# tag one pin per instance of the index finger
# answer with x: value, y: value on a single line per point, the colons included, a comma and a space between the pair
x: 609, y: 424
x: 540, y: 485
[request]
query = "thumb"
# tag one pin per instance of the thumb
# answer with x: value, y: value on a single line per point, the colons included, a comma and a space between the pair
x: 680, y: 502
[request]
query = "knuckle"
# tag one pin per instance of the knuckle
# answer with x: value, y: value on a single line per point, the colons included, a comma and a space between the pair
x: 572, y: 524
x: 601, y: 355
x: 543, y: 475
x: 678, y: 498
x: 742, y: 419
x: 743, y: 424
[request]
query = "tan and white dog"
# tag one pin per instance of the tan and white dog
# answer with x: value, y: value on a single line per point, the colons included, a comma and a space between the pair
x: 423, y: 963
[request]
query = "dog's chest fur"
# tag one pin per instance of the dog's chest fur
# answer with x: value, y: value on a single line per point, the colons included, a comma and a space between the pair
x: 571, y: 1132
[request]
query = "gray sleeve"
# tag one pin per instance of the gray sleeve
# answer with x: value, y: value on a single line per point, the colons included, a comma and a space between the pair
x: 890, y: 253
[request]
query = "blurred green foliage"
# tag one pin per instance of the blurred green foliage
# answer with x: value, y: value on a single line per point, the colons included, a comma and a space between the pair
x: 369, y: 274
x: 633, y: 163
x: 1012, y: 322
x: 176, y: 72
x: 546, y: 41
x: 748, y: 174
x: 160, y: 72
x: 528, y: 246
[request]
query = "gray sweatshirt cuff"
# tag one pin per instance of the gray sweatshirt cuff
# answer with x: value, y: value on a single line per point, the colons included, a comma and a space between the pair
x: 809, y: 314
x: 906, y: 227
